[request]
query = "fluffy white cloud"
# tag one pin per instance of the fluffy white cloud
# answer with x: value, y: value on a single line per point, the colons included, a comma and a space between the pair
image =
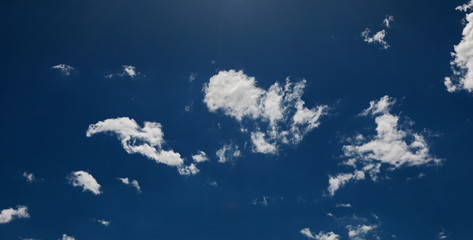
x: 394, y: 146
x: 7, y: 215
x: 147, y: 141
x: 64, y: 69
x: 66, y: 237
x: 228, y: 152
x: 278, y: 114
x: 377, y: 38
x: 29, y: 177
x: 84, y: 180
x: 360, y: 232
x: 127, y: 71
x: 200, y: 157
x: 320, y: 236
x: 462, y: 62
x: 133, y: 183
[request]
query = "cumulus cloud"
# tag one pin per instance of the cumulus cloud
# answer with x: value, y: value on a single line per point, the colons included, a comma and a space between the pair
x: 201, y: 156
x: 320, y: 236
x: 133, y: 183
x: 228, y: 152
x: 8, y: 215
x: 360, y: 232
x: 274, y: 117
x: 64, y: 69
x: 84, y: 180
x: 394, y: 146
x: 462, y: 56
x: 147, y: 141
x: 29, y: 177
x: 66, y: 237
x: 376, y: 38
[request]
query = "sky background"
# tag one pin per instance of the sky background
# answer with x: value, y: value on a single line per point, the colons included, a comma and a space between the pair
x: 46, y: 113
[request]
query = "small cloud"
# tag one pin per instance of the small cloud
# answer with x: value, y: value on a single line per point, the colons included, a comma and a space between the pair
x: 442, y: 235
x: 262, y: 202
x: 193, y: 76
x: 133, y: 183
x: 127, y: 71
x: 200, y: 157
x: 64, y: 69
x: 320, y: 236
x: 227, y: 152
x: 343, y: 205
x: 8, y: 215
x: 103, y: 222
x: 213, y: 183
x: 360, y: 232
x: 377, y: 38
x: 85, y: 180
x: 388, y: 20
x: 29, y: 177
x: 66, y: 237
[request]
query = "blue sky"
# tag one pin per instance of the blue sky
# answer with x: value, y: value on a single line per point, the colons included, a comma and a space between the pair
x: 236, y: 119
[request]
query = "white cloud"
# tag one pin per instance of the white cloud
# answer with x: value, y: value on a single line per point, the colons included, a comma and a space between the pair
x: 29, y: 177
x: 278, y: 114
x: 343, y: 205
x: 127, y: 71
x: 388, y: 20
x: 190, y: 169
x: 85, y: 180
x: 213, y: 184
x: 393, y: 146
x: 442, y: 235
x: 320, y: 236
x: 377, y: 38
x: 7, y: 215
x: 200, y: 157
x: 228, y: 152
x: 359, y: 232
x: 462, y: 62
x: 66, y: 237
x: 340, y: 180
x: 263, y: 201
x: 104, y: 222
x: 64, y: 69
x: 147, y: 141
x: 133, y: 183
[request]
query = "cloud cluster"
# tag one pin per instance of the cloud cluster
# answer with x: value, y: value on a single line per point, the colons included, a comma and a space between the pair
x: 378, y: 37
x: 133, y: 183
x: 393, y: 145
x: 228, y: 152
x: 462, y: 62
x: 64, y: 69
x: 201, y: 156
x: 8, y: 215
x: 320, y: 236
x: 84, y: 180
x: 278, y: 114
x: 104, y: 222
x: 147, y: 141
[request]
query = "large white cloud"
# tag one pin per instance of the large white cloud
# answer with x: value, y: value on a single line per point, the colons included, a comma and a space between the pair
x: 7, y: 215
x: 462, y: 62
x: 394, y: 146
x: 278, y: 115
x: 84, y: 180
x: 320, y: 236
x: 147, y: 141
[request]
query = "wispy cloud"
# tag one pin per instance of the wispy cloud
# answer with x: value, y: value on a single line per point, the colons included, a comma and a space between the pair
x: 133, y: 183
x: 64, y: 69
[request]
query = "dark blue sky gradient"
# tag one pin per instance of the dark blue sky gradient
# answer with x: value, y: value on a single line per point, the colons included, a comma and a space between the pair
x: 45, y: 116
